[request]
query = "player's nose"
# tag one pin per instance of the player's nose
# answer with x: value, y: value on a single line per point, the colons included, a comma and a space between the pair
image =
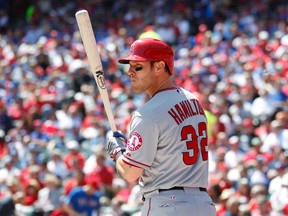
x: 130, y: 72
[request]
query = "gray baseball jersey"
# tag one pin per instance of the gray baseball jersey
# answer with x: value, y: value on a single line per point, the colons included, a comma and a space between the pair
x: 168, y: 139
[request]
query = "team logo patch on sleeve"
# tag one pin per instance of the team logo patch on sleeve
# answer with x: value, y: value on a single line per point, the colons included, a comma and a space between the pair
x: 135, y: 141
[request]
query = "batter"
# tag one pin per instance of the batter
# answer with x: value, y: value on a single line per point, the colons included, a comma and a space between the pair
x: 167, y: 148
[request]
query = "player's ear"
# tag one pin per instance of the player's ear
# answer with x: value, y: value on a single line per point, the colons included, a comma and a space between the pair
x: 160, y: 66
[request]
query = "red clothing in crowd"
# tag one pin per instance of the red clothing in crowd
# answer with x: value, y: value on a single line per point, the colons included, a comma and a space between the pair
x: 31, y: 192
x: 30, y: 199
x: 74, y: 160
x: 221, y: 210
x: 72, y: 183
x: 253, y: 154
x: 3, y: 149
x: 124, y: 194
x: 59, y: 212
x: 48, y: 95
x: 105, y: 175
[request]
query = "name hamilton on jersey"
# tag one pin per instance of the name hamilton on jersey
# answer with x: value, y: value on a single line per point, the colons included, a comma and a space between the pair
x: 185, y: 109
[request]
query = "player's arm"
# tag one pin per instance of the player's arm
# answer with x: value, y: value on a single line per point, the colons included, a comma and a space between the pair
x: 127, y: 171
x: 116, y: 146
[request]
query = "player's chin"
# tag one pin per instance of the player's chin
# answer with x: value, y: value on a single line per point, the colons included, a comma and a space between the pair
x: 136, y: 89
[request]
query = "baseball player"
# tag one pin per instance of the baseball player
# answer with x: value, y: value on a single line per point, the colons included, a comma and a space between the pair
x: 167, y: 148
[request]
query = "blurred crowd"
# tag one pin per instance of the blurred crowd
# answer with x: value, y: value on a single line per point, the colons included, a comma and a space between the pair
x: 233, y: 54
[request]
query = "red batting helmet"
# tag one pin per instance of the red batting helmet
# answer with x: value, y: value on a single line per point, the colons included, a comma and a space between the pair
x: 150, y: 49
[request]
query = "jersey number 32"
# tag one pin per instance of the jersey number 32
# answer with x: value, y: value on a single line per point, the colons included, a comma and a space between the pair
x: 195, y: 143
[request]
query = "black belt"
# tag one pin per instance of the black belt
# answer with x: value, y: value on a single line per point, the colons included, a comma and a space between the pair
x: 180, y: 188
x: 176, y: 188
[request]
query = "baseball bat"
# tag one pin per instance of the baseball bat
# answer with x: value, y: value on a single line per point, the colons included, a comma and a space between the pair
x: 91, y: 49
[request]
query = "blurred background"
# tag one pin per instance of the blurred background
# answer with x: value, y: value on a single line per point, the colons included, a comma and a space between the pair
x: 233, y: 54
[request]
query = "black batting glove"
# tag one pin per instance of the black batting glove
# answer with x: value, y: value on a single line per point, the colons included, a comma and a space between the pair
x: 116, y: 145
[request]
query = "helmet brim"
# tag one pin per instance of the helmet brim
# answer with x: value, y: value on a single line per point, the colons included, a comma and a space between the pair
x: 126, y: 59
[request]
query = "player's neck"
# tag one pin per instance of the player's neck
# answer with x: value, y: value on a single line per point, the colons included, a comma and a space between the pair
x: 163, y: 84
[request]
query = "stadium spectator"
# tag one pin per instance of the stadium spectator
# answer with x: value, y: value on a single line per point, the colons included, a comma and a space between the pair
x: 278, y: 197
x: 49, y: 196
x: 277, y: 138
x: 234, y: 154
x: 103, y: 173
x: 84, y: 200
x: 74, y: 159
x: 38, y: 137
x: 6, y: 121
x: 8, y: 168
x: 57, y: 166
x: 76, y: 180
x: 8, y: 203
x: 31, y: 191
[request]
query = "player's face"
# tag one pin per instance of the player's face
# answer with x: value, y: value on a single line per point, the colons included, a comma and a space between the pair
x: 142, y: 76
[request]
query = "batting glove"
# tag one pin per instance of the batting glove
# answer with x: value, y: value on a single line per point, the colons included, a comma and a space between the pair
x: 116, y: 145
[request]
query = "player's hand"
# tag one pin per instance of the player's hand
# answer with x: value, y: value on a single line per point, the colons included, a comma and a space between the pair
x: 116, y: 145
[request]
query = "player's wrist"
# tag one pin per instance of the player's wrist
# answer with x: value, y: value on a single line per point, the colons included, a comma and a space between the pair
x: 119, y: 154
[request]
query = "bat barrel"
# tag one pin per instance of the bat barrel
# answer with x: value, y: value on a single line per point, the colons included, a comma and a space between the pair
x: 92, y: 52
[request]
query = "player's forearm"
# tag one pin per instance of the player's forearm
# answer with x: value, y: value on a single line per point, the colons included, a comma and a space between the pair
x: 116, y: 146
x: 127, y: 171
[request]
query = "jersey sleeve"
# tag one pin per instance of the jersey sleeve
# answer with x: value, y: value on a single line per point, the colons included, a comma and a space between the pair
x: 142, y: 143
